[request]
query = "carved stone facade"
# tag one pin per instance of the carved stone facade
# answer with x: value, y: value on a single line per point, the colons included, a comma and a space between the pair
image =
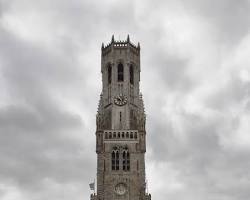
x: 120, y: 122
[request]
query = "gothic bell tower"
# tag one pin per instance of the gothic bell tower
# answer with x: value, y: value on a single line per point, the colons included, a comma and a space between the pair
x: 120, y: 122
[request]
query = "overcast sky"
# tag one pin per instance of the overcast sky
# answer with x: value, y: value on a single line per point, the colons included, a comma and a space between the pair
x: 195, y: 62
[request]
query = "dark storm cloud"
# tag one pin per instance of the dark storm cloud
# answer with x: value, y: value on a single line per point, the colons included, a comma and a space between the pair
x: 197, y: 118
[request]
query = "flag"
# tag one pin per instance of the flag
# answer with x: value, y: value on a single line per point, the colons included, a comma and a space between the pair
x: 92, y: 186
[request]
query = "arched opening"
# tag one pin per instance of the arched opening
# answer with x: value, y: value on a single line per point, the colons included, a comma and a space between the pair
x: 115, y: 160
x: 120, y: 72
x: 109, y: 74
x: 131, y: 73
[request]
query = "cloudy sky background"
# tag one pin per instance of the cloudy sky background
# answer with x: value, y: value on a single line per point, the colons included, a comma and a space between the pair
x: 195, y: 79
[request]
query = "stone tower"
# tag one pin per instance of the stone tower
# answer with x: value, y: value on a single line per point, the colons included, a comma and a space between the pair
x: 120, y: 122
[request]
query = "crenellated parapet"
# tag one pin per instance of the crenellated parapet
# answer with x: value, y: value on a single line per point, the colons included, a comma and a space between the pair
x: 120, y: 44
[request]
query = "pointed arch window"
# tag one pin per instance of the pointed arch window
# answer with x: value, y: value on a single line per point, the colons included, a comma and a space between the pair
x: 109, y: 74
x: 120, y: 71
x: 131, y: 73
x: 115, y: 160
x: 125, y: 160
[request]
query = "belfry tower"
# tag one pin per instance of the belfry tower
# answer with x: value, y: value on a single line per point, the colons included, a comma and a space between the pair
x: 120, y: 122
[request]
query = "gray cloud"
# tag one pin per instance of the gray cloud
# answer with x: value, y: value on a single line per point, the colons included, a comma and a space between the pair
x: 195, y: 81
x: 231, y: 18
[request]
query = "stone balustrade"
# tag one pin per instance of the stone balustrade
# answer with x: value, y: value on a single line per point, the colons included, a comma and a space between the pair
x: 120, y: 135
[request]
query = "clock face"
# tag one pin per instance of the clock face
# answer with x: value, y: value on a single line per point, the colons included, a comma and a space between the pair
x: 120, y: 189
x: 120, y: 100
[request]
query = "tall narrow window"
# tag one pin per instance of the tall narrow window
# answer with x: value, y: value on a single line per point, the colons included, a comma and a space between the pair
x: 125, y: 161
x: 109, y: 74
x: 109, y: 82
x: 120, y: 72
x: 115, y: 160
x: 131, y: 73
x: 128, y: 161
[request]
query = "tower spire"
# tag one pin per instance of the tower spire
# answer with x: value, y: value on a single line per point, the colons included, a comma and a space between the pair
x: 128, y: 39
